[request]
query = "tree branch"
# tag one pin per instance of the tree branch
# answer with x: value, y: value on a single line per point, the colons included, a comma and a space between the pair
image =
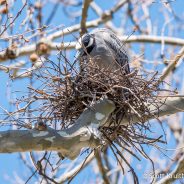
x: 177, y: 173
x: 29, y: 49
x: 84, y: 133
x: 85, y: 7
x: 64, y: 177
x: 172, y: 64
x: 101, y: 167
x: 69, y: 142
x: 170, y: 105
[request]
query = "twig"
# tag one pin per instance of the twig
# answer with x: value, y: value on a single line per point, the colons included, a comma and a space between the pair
x: 101, y: 167
x: 19, y: 12
x: 75, y: 170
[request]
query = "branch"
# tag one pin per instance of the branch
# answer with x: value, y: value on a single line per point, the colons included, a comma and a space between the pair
x: 29, y: 49
x: 177, y: 173
x: 172, y: 64
x: 104, y: 17
x: 170, y: 105
x: 64, y: 177
x: 97, y: 9
x: 84, y: 16
x: 69, y: 142
x: 101, y: 167
x: 153, y: 39
x: 12, y: 22
x: 84, y: 133
x: 11, y: 53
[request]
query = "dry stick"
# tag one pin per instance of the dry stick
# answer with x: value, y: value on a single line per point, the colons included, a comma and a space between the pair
x: 85, y: 7
x: 83, y: 165
x: 19, y: 12
x: 101, y: 167
x: 99, y: 11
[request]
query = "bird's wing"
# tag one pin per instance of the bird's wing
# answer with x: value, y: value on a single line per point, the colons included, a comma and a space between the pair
x: 118, y: 50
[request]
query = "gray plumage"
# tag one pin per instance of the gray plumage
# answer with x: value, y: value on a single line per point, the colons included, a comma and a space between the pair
x: 105, y: 49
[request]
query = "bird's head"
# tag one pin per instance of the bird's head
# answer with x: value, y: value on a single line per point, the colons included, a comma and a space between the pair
x: 85, y: 45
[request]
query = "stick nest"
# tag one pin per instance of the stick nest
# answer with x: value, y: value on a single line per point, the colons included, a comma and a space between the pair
x: 65, y: 92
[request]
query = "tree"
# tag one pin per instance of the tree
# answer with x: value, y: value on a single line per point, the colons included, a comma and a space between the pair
x: 63, y: 112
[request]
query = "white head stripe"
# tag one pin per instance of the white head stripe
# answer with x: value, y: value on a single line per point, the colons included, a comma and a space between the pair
x: 79, y: 44
x: 90, y: 42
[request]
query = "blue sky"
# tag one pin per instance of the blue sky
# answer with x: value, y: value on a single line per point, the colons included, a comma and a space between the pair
x: 10, y: 163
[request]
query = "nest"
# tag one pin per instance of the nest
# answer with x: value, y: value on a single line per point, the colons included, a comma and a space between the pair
x: 65, y: 91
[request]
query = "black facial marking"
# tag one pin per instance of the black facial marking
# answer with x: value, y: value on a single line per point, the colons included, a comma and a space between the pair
x: 85, y: 42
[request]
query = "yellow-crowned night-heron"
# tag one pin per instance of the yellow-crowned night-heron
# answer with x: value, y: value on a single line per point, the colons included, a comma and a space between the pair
x: 105, y: 49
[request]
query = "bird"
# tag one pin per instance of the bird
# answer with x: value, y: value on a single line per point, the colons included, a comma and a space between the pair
x: 104, y: 49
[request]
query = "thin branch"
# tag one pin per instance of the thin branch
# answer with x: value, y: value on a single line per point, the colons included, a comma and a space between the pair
x: 68, y: 175
x: 18, y: 14
x: 85, y: 7
x: 172, y: 64
x: 100, y: 12
x: 177, y: 173
x: 101, y: 167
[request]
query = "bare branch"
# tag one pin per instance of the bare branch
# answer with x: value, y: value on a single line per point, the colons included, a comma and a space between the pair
x: 69, y: 142
x: 101, y: 167
x: 29, y: 49
x: 176, y: 174
x: 172, y: 64
x: 75, y: 170
x: 85, y: 7
x: 19, y: 12
x: 171, y: 105
x: 153, y: 39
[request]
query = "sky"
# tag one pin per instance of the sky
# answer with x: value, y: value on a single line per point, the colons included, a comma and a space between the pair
x: 10, y: 164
